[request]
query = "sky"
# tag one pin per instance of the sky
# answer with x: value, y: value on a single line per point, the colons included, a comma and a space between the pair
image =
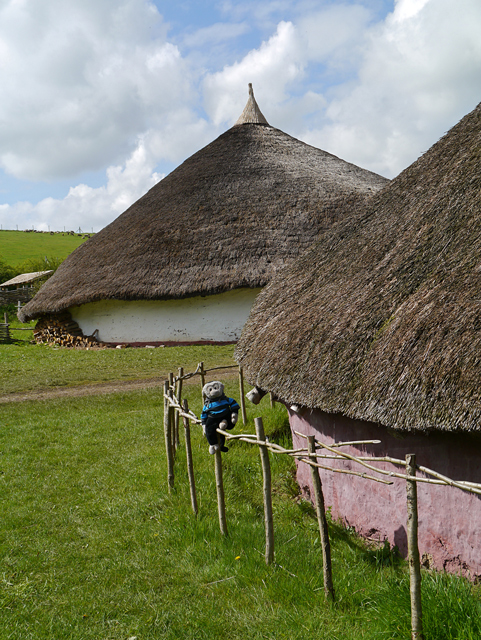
x: 100, y: 99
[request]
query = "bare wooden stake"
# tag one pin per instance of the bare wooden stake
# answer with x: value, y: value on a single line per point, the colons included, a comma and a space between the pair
x: 242, y: 397
x: 413, y: 550
x: 266, y: 474
x: 179, y: 400
x: 167, y: 436
x: 190, y: 465
x: 172, y: 415
x: 202, y: 379
x: 322, y: 520
x: 219, y: 483
x: 271, y: 398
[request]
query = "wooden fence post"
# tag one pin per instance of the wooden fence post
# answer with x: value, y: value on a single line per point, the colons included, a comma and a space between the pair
x: 172, y: 414
x: 190, y: 466
x: 219, y: 483
x: 266, y: 474
x: 322, y: 520
x: 5, y: 330
x: 242, y: 396
x: 202, y: 379
x: 179, y: 400
x: 413, y: 549
x: 167, y: 435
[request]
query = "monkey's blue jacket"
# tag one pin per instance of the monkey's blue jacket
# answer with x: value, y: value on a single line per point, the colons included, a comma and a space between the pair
x: 218, y: 406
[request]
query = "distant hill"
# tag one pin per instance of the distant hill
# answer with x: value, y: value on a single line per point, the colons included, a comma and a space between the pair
x: 18, y: 246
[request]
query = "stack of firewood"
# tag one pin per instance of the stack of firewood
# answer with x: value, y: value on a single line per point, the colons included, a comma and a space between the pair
x: 61, y: 329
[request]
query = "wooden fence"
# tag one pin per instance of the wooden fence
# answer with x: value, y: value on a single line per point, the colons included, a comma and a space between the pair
x: 25, y: 294
x: 6, y: 329
x: 175, y: 407
x: 4, y: 333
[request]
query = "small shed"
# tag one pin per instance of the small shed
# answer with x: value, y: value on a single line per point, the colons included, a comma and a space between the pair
x: 19, y: 289
x: 185, y: 262
x: 376, y: 333
x: 23, y: 280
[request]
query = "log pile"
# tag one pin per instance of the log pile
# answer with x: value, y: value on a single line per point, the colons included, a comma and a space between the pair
x: 61, y: 329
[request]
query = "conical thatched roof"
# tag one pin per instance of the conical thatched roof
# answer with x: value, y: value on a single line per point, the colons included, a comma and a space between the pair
x: 226, y: 218
x: 381, y: 319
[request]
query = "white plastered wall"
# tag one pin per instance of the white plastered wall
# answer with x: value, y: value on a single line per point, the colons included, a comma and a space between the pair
x: 219, y: 318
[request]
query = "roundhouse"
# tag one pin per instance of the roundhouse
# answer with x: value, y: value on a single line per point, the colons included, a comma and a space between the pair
x: 375, y: 333
x: 185, y: 262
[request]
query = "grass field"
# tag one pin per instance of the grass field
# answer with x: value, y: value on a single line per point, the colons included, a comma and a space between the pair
x: 29, y: 367
x: 94, y: 547
x: 17, y: 246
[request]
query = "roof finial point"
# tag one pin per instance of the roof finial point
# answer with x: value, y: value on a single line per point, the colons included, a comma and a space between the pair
x: 251, y: 114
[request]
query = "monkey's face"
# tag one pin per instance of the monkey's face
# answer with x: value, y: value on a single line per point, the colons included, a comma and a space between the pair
x: 213, y: 390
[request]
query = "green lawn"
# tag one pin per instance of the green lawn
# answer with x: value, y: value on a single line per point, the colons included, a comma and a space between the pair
x: 17, y: 246
x: 28, y: 367
x: 93, y: 546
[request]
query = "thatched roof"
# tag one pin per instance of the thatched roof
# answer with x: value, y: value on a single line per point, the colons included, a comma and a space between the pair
x: 226, y: 218
x: 381, y: 319
x: 26, y: 278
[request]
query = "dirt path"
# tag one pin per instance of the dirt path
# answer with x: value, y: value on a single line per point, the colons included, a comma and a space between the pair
x: 98, y: 388
x: 82, y: 390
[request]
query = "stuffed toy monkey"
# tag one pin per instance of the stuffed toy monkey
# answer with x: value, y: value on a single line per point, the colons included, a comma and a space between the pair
x: 219, y: 412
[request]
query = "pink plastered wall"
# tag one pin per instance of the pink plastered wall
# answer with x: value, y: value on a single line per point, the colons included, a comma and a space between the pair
x: 449, y: 519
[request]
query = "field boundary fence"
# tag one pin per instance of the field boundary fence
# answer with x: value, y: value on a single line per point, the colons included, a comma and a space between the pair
x: 25, y: 294
x: 5, y: 337
x: 176, y: 408
x: 6, y: 330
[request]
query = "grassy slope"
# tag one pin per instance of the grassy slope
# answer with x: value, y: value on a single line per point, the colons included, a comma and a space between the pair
x: 18, y: 246
x: 92, y: 546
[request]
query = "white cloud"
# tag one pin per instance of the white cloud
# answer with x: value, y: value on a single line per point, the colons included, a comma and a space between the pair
x: 287, y: 62
x: 333, y: 34
x: 406, y: 9
x: 269, y: 68
x: 181, y: 135
x: 80, y: 81
x: 87, y: 207
x: 84, y: 206
x: 419, y: 73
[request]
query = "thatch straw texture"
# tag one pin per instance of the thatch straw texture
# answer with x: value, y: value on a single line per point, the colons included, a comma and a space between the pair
x: 226, y: 218
x: 381, y: 319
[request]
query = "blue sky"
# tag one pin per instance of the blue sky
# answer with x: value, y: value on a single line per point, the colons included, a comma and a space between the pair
x: 102, y: 98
